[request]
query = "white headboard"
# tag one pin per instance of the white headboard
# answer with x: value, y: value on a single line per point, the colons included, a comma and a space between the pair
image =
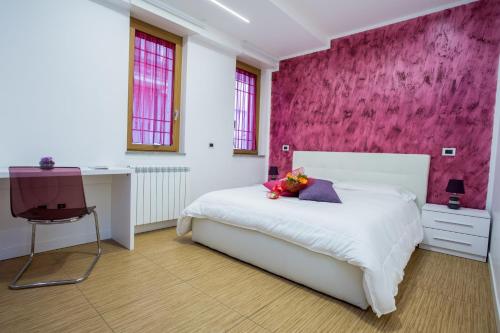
x: 408, y: 170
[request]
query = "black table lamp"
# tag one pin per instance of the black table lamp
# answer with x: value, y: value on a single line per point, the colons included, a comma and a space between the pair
x: 456, y: 188
x: 273, y: 172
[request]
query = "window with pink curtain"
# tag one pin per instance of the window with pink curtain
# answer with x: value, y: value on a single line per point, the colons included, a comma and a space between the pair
x: 152, y: 113
x: 245, y: 136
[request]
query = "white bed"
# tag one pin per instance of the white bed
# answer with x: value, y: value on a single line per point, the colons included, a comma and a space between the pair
x: 360, y: 262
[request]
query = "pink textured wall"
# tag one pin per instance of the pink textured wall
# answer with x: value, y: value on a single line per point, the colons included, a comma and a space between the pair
x: 411, y: 87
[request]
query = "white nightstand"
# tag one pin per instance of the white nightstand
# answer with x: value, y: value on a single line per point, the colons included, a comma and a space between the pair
x: 461, y: 232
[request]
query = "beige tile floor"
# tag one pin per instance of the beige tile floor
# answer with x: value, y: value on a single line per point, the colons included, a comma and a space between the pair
x: 170, y: 284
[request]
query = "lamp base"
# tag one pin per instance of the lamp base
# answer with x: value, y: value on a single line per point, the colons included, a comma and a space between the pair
x: 454, y: 202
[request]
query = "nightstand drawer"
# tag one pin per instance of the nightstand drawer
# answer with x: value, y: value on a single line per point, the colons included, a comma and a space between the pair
x: 457, y: 223
x: 456, y: 241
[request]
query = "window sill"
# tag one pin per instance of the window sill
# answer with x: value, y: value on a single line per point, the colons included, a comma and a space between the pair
x: 142, y: 152
x: 249, y: 155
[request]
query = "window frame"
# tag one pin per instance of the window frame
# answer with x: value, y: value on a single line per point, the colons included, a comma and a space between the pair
x: 177, y: 40
x: 243, y: 66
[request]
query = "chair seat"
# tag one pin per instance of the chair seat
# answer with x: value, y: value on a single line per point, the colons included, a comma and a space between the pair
x: 47, y: 214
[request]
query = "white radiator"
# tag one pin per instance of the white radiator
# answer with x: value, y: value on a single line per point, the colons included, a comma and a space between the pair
x: 161, y: 193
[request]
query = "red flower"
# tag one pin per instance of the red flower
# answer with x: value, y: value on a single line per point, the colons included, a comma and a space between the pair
x: 277, y: 189
x: 294, y: 181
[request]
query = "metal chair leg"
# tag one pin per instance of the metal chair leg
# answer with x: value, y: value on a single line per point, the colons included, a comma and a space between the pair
x: 14, y: 284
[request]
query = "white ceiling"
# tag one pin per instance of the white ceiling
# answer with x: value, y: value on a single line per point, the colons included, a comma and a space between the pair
x: 284, y: 28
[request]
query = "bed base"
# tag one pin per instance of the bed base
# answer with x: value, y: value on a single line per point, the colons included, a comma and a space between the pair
x: 317, y: 271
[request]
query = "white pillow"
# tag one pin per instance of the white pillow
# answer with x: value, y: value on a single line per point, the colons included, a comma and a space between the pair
x: 395, y: 190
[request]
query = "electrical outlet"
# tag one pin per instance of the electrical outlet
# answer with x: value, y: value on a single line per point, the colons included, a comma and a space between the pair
x: 449, y: 151
x: 285, y: 148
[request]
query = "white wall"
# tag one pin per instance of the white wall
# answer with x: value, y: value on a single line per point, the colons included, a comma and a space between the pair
x: 63, y: 83
x: 64, y: 88
x: 64, y: 93
x: 494, y: 256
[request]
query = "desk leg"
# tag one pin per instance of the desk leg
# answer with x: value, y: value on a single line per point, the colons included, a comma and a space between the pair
x: 122, y: 228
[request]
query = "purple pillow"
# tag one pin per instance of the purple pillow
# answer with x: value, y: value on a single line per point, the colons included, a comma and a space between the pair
x: 320, y: 190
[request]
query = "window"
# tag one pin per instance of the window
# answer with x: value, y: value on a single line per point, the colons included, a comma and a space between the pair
x: 246, y: 109
x: 154, y: 88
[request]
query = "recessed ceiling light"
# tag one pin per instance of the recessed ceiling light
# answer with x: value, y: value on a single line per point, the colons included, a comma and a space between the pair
x: 229, y: 10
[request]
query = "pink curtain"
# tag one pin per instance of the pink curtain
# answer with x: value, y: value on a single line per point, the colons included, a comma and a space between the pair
x: 152, y: 117
x: 244, y: 136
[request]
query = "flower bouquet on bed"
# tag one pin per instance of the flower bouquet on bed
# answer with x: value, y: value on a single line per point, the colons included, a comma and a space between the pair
x: 294, y: 181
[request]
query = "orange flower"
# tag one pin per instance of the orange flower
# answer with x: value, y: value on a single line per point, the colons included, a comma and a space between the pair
x: 303, y: 180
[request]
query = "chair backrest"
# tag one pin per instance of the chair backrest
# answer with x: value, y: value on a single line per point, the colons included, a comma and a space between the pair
x: 58, y: 191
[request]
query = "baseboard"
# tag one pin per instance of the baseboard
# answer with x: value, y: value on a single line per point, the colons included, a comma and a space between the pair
x: 155, y: 226
x: 73, y: 239
x: 51, y: 244
x: 496, y: 301
x: 452, y: 252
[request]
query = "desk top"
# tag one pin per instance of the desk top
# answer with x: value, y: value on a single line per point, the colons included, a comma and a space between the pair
x: 86, y: 171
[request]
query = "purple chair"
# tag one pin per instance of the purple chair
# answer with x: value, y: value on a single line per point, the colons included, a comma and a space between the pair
x: 49, y: 197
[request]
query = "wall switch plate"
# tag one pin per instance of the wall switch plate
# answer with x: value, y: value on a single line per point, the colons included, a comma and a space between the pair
x: 449, y: 152
x: 210, y: 145
x: 285, y: 148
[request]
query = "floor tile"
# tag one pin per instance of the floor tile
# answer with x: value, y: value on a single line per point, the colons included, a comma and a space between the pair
x: 179, y: 308
x: 244, y: 288
x: 247, y: 326
x: 43, y: 309
x: 121, y: 279
x: 190, y: 261
x: 303, y: 310
x: 153, y: 242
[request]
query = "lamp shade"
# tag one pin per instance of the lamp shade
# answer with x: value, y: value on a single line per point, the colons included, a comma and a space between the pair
x: 273, y: 171
x: 455, y: 186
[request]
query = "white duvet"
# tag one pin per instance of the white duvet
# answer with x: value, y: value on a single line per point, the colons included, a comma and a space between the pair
x: 374, y: 231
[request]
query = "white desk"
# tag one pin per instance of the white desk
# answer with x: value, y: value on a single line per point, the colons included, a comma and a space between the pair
x: 108, y: 189
x: 86, y: 171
